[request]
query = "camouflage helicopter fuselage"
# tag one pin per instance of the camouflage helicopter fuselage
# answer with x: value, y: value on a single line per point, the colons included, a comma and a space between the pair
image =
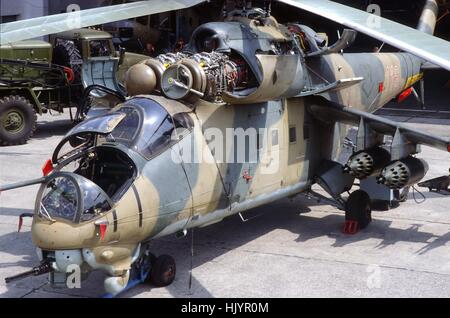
x: 153, y: 183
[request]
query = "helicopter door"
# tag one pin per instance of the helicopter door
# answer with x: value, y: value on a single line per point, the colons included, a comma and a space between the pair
x: 295, y: 142
x: 270, y: 172
x: 101, y: 71
x: 259, y: 172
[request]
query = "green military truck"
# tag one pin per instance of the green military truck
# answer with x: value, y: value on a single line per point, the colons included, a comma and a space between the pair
x: 37, y: 77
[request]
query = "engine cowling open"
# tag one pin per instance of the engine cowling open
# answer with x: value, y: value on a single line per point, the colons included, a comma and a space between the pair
x: 217, y: 77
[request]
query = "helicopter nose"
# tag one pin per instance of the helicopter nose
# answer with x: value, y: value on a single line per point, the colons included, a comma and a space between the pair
x: 56, y: 236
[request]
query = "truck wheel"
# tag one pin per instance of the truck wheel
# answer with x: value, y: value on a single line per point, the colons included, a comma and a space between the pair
x: 17, y: 120
x: 163, y: 271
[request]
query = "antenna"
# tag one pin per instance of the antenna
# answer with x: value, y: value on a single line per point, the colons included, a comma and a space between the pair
x: 192, y: 261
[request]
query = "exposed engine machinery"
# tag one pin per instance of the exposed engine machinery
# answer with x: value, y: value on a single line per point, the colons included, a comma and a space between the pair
x: 214, y: 66
x: 366, y: 163
x: 188, y: 77
x: 403, y: 173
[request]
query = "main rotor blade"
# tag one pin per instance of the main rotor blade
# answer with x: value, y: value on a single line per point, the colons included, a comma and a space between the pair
x: 423, y: 45
x: 31, y: 28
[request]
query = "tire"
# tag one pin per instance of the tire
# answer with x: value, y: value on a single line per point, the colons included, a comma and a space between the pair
x: 66, y: 54
x: 163, y: 271
x: 358, y: 208
x: 17, y: 120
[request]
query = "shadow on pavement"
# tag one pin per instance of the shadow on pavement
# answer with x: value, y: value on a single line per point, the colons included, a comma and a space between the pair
x: 57, y: 127
x: 216, y: 240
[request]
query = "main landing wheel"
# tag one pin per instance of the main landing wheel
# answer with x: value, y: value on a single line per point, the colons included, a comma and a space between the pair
x: 163, y: 271
x: 358, y: 212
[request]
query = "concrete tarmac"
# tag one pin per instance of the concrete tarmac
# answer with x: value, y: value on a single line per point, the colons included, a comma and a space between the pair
x: 292, y: 248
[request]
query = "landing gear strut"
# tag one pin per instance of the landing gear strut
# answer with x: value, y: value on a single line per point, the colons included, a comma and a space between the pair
x: 149, y: 269
x: 358, y: 212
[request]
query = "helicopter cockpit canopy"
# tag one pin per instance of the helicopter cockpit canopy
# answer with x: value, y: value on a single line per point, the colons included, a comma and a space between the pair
x: 73, y: 198
x: 142, y: 124
x: 100, y: 158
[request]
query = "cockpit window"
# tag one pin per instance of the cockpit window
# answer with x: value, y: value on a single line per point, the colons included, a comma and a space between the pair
x: 95, y: 201
x: 183, y: 120
x: 60, y: 199
x: 125, y: 132
x: 158, y: 129
x: 161, y: 139
x: 73, y: 198
x: 81, y: 137
x: 140, y: 124
x: 121, y: 126
x: 102, y: 124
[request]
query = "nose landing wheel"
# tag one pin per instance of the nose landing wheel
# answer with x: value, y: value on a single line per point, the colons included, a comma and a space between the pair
x: 163, y: 271
x: 157, y: 271
x: 358, y: 212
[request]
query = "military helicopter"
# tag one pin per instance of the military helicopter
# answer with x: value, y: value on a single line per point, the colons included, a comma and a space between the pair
x: 155, y: 164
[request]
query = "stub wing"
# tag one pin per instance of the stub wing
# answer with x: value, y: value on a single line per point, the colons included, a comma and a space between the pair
x: 329, y: 112
x: 421, y: 44
x: 31, y: 28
